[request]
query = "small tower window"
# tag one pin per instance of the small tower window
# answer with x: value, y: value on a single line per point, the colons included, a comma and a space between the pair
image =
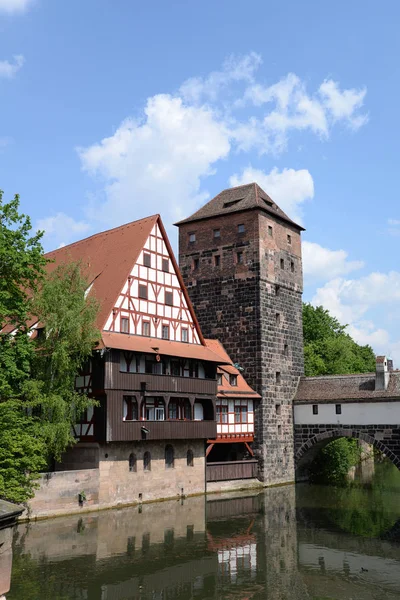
x: 169, y: 457
x: 292, y: 266
x: 124, y: 324
x: 241, y: 228
x: 285, y: 350
x: 239, y: 258
x: 278, y: 409
x: 289, y: 239
x: 279, y: 429
x: 195, y: 264
x: 278, y: 318
x: 143, y: 292
x: 165, y: 265
x: 217, y: 260
x: 192, y: 238
x: 282, y: 263
x: 217, y: 233
x: 315, y: 409
x: 147, y: 259
x: 270, y: 232
x: 169, y: 298
x: 278, y: 378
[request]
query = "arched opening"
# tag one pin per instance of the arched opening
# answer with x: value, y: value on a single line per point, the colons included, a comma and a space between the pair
x: 130, y: 408
x: 190, y: 458
x: 147, y: 461
x: 132, y: 463
x: 169, y: 457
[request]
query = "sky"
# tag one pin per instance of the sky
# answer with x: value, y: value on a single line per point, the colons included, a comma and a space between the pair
x: 112, y: 110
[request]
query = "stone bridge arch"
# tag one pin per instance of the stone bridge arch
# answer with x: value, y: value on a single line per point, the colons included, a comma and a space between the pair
x: 309, y: 441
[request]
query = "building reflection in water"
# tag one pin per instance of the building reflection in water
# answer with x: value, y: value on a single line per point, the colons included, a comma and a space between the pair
x: 246, y: 547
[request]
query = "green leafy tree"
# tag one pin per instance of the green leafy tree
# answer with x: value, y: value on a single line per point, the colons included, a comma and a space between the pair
x: 329, y: 349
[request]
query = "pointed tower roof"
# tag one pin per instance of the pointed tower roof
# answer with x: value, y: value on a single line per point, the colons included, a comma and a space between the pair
x: 239, y: 199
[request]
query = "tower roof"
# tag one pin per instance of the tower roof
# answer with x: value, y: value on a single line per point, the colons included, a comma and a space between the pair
x: 238, y: 199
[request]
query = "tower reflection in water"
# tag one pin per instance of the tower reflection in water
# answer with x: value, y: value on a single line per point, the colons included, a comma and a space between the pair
x: 247, y: 547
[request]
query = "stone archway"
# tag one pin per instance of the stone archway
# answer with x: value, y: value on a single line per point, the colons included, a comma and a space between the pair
x: 307, y: 451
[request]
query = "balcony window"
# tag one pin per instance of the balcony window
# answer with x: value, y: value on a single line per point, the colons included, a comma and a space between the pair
x: 175, y: 368
x: 165, y: 265
x: 169, y: 457
x: 130, y: 408
x: 154, y: 409
x: 179, y: 409
x: 241, y: 413
x: 222, y: 414
x: 147, y: 461
x: 154, y: 366
x: 128, y: 362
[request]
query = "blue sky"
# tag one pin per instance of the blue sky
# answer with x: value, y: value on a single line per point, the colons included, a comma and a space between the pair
x: 113, y: 110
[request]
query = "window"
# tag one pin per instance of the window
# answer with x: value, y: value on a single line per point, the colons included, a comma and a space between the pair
x: 130, y: 408
x: 278, y: 318
x: 165, y: 265
x: 289, y: 239
x: 277, y: 289
x: 128, y: 362
x: 195, y: 264
x: 217, y: 260
x: 286, y: 350
x: 278, y: 409
x: 239, y: 258
x: 179, y: 409
x: 270, y: 231
x: 189, y: 458
x: 169, y: 298
x: 282, y: 263
x: 146, y: 328
x: 165, y: 332
x: 169, y: 457
x: 124, y: 325
x: 279, y: 429
x: 219, y: 379
x: 241, y: 413
x: 292, y: 266
x: 233, y: 380
x: 143, y: 291
x: 338, y: 409
x: 192, y: 238
x: 185, y: 334
x: 232, y: 203
x: 217, y: 233
x: 147, y: 259
x: 222, y: 414
x: 154, y: 409
x: 147, y: 461
x: 278, y: 377
x: 241, y: 228
x: 132, y: 463
x: 315, y: 409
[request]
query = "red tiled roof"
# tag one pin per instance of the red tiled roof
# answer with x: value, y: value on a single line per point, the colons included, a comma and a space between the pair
x: 345, y: 387
x: 238, y: 199
x: 225, y: 390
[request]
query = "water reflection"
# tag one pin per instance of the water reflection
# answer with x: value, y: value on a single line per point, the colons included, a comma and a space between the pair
x: 284, y: 543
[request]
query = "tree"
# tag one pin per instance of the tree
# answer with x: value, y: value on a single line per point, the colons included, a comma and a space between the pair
x: 329, y: 349
x: 38, y: 403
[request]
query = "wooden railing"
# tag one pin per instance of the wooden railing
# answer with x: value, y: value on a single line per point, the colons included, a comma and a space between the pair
x: 237, y: 469
x: 160, y: 383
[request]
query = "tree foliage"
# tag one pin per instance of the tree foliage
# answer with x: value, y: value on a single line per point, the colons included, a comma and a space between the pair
x: 332, y: 464
x: 329, y: 349
x: 38, y: 404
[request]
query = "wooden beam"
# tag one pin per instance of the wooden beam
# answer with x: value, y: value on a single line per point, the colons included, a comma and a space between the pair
x: 210, y: 447
x: 249, y: 449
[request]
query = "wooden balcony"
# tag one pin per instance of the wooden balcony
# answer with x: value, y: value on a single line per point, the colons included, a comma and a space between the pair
x: 160, y: 383
x: 237, y: 469
x: 131, y: 431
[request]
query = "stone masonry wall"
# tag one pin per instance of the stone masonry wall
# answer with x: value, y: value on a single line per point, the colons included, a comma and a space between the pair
x: 254, y: 308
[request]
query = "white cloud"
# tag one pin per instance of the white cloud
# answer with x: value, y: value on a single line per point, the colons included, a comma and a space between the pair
x: 322, y: 263
x: 157, y: 163
x: 62, y: 227
x: 9, y: 69
x: 15, y: 6
x: 288, y: 188
x: 343, y: 105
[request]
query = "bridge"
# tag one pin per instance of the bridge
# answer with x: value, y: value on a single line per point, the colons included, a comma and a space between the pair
x: 362, y: 406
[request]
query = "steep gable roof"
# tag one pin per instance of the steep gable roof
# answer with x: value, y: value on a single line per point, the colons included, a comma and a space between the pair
x: 225, y: 389
x: 238, y: 199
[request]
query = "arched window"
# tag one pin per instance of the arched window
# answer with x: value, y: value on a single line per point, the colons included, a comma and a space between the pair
x: 169, y: 457
x: 189, y: 458
x: 147, y: 461
x: 132, y: 463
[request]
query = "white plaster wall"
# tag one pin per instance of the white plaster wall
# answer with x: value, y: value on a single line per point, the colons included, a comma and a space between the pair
x: 353, y: 413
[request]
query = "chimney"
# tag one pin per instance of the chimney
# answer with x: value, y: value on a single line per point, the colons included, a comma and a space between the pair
x: 382, y: 372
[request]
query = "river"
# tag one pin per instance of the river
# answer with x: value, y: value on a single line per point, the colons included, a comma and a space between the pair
x: 286, y: 543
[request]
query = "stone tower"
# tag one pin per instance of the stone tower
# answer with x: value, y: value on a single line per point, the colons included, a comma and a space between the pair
x: 240, y: 257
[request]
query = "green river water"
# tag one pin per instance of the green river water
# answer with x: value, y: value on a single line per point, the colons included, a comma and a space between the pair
x: 285, y: 543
